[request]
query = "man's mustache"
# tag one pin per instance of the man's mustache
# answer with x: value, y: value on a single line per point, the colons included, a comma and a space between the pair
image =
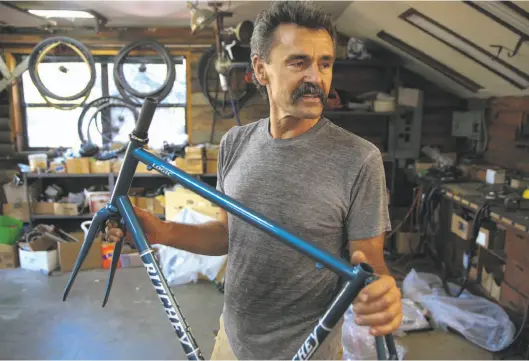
x: 309, y: 89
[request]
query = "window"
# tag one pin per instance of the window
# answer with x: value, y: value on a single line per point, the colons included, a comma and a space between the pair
x: 429, y: 61
x: 43, y: 121
x: 505, y: 13
x: 467, y: 48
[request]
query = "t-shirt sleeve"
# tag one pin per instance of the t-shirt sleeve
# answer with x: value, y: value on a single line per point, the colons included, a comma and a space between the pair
x: 221, y: 161
x: 368, y: 214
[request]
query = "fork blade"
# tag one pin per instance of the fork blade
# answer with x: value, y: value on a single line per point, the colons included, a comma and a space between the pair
x: 113, y: 267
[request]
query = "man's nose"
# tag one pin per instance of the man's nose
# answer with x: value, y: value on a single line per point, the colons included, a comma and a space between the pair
x: 313, y: 74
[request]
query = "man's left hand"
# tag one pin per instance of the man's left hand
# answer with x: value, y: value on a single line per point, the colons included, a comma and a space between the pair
x: 378, y: 305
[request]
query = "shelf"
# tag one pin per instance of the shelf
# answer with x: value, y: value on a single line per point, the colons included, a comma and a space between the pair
x: 105, y: 175
x: 375, y: 63
x: 79, y: 217
x: 53, y: 216
x: 365, y: 113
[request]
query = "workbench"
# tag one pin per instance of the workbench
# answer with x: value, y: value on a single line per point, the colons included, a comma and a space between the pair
x: 513, y: 252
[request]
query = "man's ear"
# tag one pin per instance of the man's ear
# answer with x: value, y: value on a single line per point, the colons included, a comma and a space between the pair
x: 259, y: 70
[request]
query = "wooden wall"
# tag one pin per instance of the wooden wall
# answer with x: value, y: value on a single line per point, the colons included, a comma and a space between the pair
x: 505, y: 115
x: 438, y: 104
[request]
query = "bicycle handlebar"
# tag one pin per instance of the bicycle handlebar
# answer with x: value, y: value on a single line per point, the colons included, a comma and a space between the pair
x: 145, y: 118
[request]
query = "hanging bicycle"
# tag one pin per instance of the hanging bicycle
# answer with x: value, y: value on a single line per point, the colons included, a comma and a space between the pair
x: 224, y: 71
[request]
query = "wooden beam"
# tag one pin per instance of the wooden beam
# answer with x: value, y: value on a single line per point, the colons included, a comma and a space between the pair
x: 189, y: 110
x: 117, y: 38
x: 15, y: 109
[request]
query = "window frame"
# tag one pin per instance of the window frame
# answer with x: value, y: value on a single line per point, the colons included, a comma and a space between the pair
x: 104, y: 60
x: 429, y: 61
x: 413, y: 12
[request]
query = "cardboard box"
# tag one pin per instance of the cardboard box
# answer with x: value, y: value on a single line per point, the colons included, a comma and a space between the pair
x: 422, y: 166
x: 116, y: 165
x: 18, y: 194
x: 211, y: 166
x: 57, y: 167
x: 100, y: 167
x: 181, y: 198
x: 65, y: 209
x: 195, y: 152
x: 16, y: 210
x: 191, y: 166
x: 142, y: 168
x: 8, y: 256
x: 151, y: 204
x: 68, y: 252
x: 97, y: 200
x: 43, y: 208
x: 495, y: 176
x: 460, y: 226
x: 43, y: 261
x: 407, y: 242
x: 78, y: 165
x: 212, y: 151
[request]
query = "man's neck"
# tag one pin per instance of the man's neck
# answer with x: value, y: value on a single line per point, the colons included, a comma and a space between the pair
x: 285, y: 127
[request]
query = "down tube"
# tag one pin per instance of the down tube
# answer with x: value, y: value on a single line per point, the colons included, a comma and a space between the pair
x: 321, y: 255
x: 171, y: 307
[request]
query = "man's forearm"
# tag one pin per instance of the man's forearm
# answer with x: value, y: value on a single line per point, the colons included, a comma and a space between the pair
x: 209, y: 238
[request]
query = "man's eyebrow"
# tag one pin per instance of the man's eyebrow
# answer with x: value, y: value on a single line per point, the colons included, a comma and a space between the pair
x: 327, y: 58
x: 297, y: 57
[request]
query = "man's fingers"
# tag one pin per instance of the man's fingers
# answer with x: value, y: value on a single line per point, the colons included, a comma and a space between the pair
x: 378, y: 305
x: 388, y: 328
x: 376, y: 289
x: 382, y: 318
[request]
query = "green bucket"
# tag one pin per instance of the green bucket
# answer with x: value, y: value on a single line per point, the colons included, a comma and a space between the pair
x: 10, y: 229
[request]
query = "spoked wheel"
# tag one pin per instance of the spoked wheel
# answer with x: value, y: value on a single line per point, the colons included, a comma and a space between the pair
x: 60, y: 84
x: 110, y: 117
x: 139, y: 77
x: 211, y: 86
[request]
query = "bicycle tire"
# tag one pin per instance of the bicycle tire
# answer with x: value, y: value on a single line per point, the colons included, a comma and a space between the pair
x: 119, y: 76
x: 207, y: 60
x: 133, y: 100
x: 43, y: 45
x: 101, y: 103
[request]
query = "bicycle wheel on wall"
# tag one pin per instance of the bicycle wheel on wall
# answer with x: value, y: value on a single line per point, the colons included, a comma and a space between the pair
x: 63, y: 70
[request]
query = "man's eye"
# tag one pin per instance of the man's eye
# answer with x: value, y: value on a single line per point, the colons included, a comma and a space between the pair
x: 326, y: 65
x: 298, y: 63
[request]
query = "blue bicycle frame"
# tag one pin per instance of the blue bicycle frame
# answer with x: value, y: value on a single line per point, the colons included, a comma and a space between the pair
x: 120, y: 208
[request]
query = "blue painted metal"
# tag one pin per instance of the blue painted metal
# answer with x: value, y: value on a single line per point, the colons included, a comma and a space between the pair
x: 319, y: 254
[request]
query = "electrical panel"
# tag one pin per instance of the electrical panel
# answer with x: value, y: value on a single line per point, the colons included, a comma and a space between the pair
x: 467, y: 124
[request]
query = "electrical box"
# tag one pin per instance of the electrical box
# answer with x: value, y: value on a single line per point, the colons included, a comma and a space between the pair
x: 467, y: 124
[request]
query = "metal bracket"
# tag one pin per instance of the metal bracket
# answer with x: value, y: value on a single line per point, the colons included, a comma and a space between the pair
x: 510, y: 53
x: 9, y: 77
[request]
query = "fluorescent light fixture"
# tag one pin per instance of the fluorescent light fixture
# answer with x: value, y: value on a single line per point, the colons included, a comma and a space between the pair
x: 429, y: 61
x: 64, y: 14
x: 504, y: 12
x: 467, y: 48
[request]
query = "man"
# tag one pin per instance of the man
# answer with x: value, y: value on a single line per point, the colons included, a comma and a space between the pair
x: 306, y: 174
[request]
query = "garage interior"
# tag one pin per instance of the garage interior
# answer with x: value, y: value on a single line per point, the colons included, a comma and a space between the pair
x: 441, y: 88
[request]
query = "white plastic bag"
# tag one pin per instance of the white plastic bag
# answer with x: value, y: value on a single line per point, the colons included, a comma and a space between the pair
x: 480, y: 321
x: 180, y: 267
x: 358, y: 343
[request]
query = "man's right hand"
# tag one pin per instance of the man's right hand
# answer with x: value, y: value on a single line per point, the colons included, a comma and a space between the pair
x: 149, y: 222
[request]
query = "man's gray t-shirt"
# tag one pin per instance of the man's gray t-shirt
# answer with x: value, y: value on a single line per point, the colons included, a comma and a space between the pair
x: 326, y: 185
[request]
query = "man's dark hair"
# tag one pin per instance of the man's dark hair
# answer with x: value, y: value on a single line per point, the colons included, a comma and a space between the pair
x: 301, y: 13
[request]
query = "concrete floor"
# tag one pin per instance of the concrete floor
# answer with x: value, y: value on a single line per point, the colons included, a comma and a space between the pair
x: 36, y: 324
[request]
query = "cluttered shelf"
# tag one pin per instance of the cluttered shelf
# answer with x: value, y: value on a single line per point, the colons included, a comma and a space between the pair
x: 361, y: 113
x: 86, y: 216
x: 104, y: 175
